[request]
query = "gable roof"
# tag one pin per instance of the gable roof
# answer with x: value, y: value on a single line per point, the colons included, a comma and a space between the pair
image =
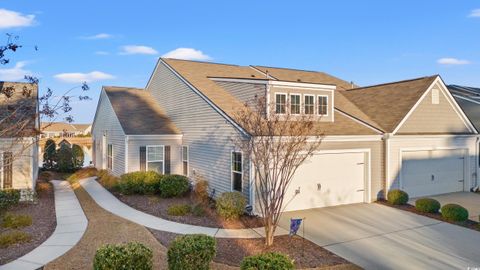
x: 468, y: 98
x: 63, y: 126
x: 138, y: 113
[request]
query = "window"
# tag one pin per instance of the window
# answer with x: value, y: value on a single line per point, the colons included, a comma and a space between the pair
x: 309, y: 104
x: 237, y: 171
x: 185, y: 160
x: 322, y: 105
x: 280, y: 103
x: 155, y: 158
x: 295, y: 104
x: 110, y: 157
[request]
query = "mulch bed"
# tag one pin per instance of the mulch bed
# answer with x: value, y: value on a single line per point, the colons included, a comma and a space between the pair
x: 470, y: 224
x: 44, y: 222
x: 305, y: 253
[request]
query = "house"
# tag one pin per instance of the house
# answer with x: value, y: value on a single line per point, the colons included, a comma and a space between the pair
x: 62, y: 129
x: 469, y: 100
x: 409, y: 134
x: 19, y: 125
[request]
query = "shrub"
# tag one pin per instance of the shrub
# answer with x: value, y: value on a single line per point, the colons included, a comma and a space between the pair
x: 65, y: 159
x: 139, y: 183
x: 16, y: 221
x: 106, y: 179
x: 201, y: 190
x: 82, y: 173
x: 128, y: 256
x: 267, y: 261
x: 49, y: 154
x: 179, y: 209
x: 198, y: 210
x: 13, y: 237
x: 8, y: 197
x: 231, y: 205
x: 78, y: 156
x: 427, y: 205
x: 397, y: 197
x: 191, y: 252
x: 173, y: 185
x: 454, y: 212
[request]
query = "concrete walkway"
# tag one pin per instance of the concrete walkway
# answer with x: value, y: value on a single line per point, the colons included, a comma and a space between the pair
x: 110, y: 203
x: 71, y: 225
x: 375, y: 236
x: 469, y: 200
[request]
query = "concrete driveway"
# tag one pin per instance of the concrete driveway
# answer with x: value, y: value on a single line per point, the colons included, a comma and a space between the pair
x: 374, y: 236
x: 469, y: 200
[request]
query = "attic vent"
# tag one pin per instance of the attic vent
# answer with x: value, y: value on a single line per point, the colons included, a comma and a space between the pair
x: 435, y: 96
x: 298, y: 80
x: 252, y: 76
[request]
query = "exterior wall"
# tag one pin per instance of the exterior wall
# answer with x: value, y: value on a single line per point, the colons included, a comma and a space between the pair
x: 243, y: 91
x: 434, y: 118
x: 205, y: 131
x: 431, y: 143
x: 25, y: 164
x: 106, y: 122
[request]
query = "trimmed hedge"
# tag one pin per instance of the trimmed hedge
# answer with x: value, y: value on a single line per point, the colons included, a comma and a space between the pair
x: 231, y: 205
x: 173, y: 185
x: 267, y: 261
x: 179, y: 209
x: 191, y: 252
x: 397, y: 197
x: 8, y: 197
x: 13, y: 237
x: 138, y: 183
x: 128, y: 256
x: 16, y: 221
x: 454, y: 212
x: 427, y: 205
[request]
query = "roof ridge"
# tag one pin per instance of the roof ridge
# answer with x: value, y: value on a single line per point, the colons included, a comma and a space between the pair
x: 202, y: 62
x: 122, y: 87
x: 304, y: 70
x: 394, y: 82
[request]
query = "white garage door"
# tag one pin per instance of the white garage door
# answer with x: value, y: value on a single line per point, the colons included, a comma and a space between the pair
x: 432, y: 172
x: 328, y: 180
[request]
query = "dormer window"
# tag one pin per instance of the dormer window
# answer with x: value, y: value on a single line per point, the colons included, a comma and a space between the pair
x: 309, y: 104
x: 295, y: 103
x: 322, y: 104
x: 280, y: 103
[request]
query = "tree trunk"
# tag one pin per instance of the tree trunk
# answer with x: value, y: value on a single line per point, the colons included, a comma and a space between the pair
x: 269, y: 233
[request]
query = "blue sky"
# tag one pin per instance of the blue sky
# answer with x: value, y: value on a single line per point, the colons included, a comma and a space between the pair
x: 118, y: 42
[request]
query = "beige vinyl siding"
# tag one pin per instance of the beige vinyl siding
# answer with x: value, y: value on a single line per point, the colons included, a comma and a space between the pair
x: 434, y: 118
x: 244, y: 91
x: 205, y: 131
x: 106, y: 120
x: 25, y: 163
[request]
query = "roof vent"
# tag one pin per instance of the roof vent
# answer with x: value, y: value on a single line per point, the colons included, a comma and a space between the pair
x: 352, y: 84
x: 298, y: 80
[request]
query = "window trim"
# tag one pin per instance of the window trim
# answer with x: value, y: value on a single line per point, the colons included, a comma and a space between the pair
x: 286, y: 102
x: 314, y: 104
x: 299, y: 104
x: 328, y: 102
x: 232, y: 171
x: 188, y: 159
x: 111, y: 156
x: 148, y: 161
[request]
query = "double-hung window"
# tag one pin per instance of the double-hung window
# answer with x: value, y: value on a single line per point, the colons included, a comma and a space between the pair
x: 309, y: 104
x: 322, y: 105
x: 155, y: 158
x: 295, y: 103
x: 185, y: 160
x: 110, y: 156
x: 237, y: 171
x: 280, y: 103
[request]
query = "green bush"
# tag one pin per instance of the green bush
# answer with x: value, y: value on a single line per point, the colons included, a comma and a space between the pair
x: 139, y: 183
x: 173, y: 185
x: 198, y: 210
x: 78, y: 156
x: 128, y: 256
x: 191, y: 252
x: 8, y: 197
x: 49, y: 155
x: 397, y: 197
x: 454, y: 212
x: 64, y: 158
x: 16, y: 221
x: 231, y: 205
x: 13, y: 237
x: 267, y: 261
x: 427, y: 205
x: 179, y: 209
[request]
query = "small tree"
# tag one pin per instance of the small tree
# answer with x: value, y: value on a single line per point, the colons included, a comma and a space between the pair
x: 78, y: 156
x: 277, y: 146
x: 65, y: 159
x: 49, y: 154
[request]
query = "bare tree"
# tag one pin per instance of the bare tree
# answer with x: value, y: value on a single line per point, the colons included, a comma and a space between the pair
x: 278, y: 145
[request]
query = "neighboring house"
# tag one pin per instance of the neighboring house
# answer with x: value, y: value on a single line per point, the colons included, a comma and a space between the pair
x: 62, y: 129
x: 469, y: 100
x: 19, y: 125
x: 410, y: 134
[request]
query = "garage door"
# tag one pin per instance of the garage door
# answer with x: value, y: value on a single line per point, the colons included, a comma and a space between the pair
x: 432, y: 172
x: 328, y: 180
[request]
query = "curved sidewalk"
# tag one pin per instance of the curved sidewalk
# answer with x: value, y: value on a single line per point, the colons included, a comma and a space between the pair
x: 110, y: 203
x: 71, y: 225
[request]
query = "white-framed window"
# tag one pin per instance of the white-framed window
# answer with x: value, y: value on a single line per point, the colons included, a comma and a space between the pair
x: 309, y: 104
x: 110, y: 156
x: 322, y: 105
x: 237, y: 170
x: 295, y: 103
x: 156, y: 158
x: 185, y: 160
x: 280, y: 103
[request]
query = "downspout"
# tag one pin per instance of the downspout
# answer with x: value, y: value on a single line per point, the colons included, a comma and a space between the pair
x: 126, y: 153
x: 477, y: 158
x: 386, y: 138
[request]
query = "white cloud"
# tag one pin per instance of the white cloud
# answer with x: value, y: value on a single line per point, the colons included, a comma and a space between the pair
x: 475, y: 13
x: 16, y: 73
x: 11, y: 19
x: 99, y: 36
x: 83, y: 77
x: 137, y: 49
x: 452, y: 61
x: 187, y: 54
x: 102, y: 53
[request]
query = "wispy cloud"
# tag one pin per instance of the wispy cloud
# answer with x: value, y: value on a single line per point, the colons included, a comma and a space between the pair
x: 12, y: 19
x: 99, y: 36
x: 475, y: 13
x: 102, y: 53
x: 16, y: 73
x: 452, y: 61
x: 187, y: 54
x: 137, y: 49
x: 78, y: 77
